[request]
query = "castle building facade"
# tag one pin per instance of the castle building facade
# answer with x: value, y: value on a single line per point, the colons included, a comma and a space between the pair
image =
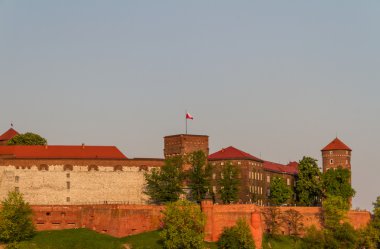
x: 65, y: 175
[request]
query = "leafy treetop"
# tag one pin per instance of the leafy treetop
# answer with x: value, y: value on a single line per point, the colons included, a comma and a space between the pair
x: 28, y: 138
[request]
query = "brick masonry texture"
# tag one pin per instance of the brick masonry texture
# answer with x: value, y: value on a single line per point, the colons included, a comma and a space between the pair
x: 124, y: 220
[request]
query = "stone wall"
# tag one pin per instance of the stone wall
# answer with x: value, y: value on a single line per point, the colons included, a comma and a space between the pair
x: 64, y: 182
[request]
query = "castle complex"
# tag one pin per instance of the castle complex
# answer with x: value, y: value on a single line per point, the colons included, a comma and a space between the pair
x: 68, y: 175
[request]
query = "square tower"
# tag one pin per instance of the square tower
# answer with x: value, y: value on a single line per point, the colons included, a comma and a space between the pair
x: 184, y: 144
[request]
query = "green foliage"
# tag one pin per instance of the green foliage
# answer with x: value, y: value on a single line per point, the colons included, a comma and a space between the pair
x: 165, y: 185
x: 183, y: 226
x: 345, y: 235
x: 293, y: 221
x: 229, y: 183
x: 336, y: 182
x: 281, y: 242
x: 237, y: 237
x: 28, y: 138
x: 308, y: 186
x: 199, y: 175
x: 15, y: 219
x: 368, y: 237
x: 280, y: 193
x: 334, y: 211
x: 313, y: 239
x: 272, y: 216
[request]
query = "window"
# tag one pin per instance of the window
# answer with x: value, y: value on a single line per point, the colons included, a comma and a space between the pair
x: 222, y: 163
x: 239, y: 162
x: 268, y: 178
x: 67, y: 199
x: 68, y: 185
x: 261, y: 176
x: 68, y: 175
x: 17, y: 189
x: 331, y: 152
x: 288, y: 181
x: 213, y: 175
x: 221, y: 175
x: 214, y: 189
x: 17, y: 178
x: 331, y: 161
x: 346, y: 162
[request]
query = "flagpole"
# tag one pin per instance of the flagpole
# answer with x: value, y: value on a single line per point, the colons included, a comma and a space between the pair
x: 186, y: 121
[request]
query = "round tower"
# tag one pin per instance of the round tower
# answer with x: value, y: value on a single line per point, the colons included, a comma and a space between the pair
x: 336, y: 154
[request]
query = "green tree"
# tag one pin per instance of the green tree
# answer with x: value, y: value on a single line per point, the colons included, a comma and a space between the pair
x: 28, y: 138
x: 236, y: 237
x: 308, y: 186
x: 165, y: 184
x: 229, y: 183
x: 334, y: 210
x: 199, y: 175
x: 183, y: 226
x: 336, y: 182
x: 280, y: 193
x: 15, y: 219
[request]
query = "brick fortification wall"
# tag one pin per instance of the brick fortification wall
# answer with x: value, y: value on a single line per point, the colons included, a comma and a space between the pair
x: 124, y: 220
x: 115, y: 220
x: 63, y: 182
x: 220, y: 216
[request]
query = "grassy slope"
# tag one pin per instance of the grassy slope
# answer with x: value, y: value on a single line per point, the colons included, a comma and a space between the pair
x: 87, y: 239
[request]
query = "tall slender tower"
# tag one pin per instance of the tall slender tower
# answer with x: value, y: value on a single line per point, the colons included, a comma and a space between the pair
x: 336, y: 154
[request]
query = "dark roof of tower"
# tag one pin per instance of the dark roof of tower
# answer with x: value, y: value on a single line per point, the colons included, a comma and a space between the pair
x: 9, y: 134
x: 231, y: 153
x: 336, y: 144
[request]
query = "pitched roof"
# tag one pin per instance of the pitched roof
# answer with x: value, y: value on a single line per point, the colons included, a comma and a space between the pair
x: 290, y: 168
x: 9, y: 134
x: 61, y: 152
x: 336, y: 144
x: 232, y: 153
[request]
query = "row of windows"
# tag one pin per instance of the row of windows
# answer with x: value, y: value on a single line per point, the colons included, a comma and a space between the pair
x: 287, y: 180
x: 332, y: 161
x: 44, y: 167
x: 256, y: 189
x: 239, y: 163
x: 255, y: 175
x: 332, y: 152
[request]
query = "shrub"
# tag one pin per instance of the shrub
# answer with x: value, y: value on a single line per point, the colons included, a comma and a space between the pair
x: 183, y: 226
x: 15, y: 219
x: 237, y: 237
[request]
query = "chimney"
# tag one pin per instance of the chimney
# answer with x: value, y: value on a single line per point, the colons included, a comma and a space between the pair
x: 82, y: 145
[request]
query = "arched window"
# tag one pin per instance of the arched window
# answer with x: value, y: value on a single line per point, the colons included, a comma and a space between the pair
x: 93, y: 168
x: 118, y: 168
x: 43, y: 167
x: 68, y: 167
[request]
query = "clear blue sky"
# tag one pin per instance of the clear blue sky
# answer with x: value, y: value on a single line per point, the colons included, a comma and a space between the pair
x: 274, y: 78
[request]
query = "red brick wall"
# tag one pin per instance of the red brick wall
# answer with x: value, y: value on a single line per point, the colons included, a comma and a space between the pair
x: 220, y: 216
x: 124, y: 220
x: 115, y: 220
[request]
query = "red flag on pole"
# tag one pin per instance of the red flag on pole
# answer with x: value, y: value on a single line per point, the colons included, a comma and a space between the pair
x: 188, y: 116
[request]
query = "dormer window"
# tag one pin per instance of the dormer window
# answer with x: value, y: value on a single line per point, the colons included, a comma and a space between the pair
x: 331, y: 161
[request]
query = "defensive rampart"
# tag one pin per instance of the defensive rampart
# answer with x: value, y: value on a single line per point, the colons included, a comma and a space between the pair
x: 124, y: 220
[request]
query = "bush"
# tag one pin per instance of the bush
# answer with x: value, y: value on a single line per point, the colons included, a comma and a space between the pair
x: 237, y: 237
x: 15, y: 219
x: 183, y: 226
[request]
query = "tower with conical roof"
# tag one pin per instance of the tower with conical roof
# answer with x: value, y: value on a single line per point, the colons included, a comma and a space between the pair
x: 336, y: 154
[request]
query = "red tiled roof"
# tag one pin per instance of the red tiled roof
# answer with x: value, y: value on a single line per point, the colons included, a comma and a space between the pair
x: 290, y: 168
x: 9, y: 134
x: 232, y: 153
x: 336, y: 144
x: 61, y: 152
